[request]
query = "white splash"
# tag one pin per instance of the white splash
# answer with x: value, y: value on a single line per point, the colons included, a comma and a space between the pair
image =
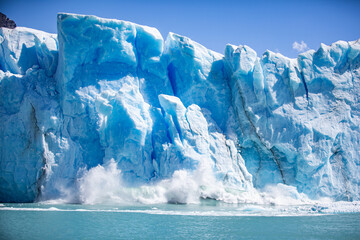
x: 104, y: 185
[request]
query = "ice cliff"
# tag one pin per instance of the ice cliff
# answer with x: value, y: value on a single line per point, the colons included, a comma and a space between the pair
x: 106, y: 110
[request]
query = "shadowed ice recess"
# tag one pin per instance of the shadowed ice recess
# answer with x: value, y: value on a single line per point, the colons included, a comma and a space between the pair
x: 107, y: 112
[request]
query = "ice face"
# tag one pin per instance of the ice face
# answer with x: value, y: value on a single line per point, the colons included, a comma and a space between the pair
x: 28, y: 110
x: 23, y: 48
x: 110, y: 103
x: 299, y: 113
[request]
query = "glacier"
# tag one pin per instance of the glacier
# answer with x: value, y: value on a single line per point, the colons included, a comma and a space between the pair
x: 108, y: 111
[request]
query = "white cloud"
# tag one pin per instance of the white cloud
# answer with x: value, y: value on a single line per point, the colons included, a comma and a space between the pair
x: 300, y: 47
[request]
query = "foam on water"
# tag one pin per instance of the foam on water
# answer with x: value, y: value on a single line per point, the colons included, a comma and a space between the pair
x: 201, y: 210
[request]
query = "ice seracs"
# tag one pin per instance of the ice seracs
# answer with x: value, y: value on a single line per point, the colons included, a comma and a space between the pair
x: 109, y: 102
x: 28, y: 110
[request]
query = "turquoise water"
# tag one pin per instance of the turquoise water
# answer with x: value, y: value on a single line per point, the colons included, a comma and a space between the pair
x: 205, y: 221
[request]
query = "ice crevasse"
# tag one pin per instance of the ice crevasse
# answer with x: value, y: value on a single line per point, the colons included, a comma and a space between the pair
x: 106, y: 110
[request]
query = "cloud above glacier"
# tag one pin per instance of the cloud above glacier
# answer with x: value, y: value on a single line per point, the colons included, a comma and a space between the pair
x: 300, y: 47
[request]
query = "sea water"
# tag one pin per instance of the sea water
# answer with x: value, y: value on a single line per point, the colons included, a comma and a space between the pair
x: 208, y: 220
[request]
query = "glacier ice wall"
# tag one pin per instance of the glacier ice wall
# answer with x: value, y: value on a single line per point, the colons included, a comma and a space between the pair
x: 300, y: 121
x: 28, y: 110
x: 108, y: 99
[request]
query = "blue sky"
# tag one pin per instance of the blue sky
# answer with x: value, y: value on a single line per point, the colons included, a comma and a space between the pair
x: 274, y: 25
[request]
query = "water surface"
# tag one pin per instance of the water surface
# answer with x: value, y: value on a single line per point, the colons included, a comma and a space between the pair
x: 208, y: 220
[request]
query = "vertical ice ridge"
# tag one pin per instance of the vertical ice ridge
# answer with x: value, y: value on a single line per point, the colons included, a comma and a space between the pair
x: 241, y: 62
